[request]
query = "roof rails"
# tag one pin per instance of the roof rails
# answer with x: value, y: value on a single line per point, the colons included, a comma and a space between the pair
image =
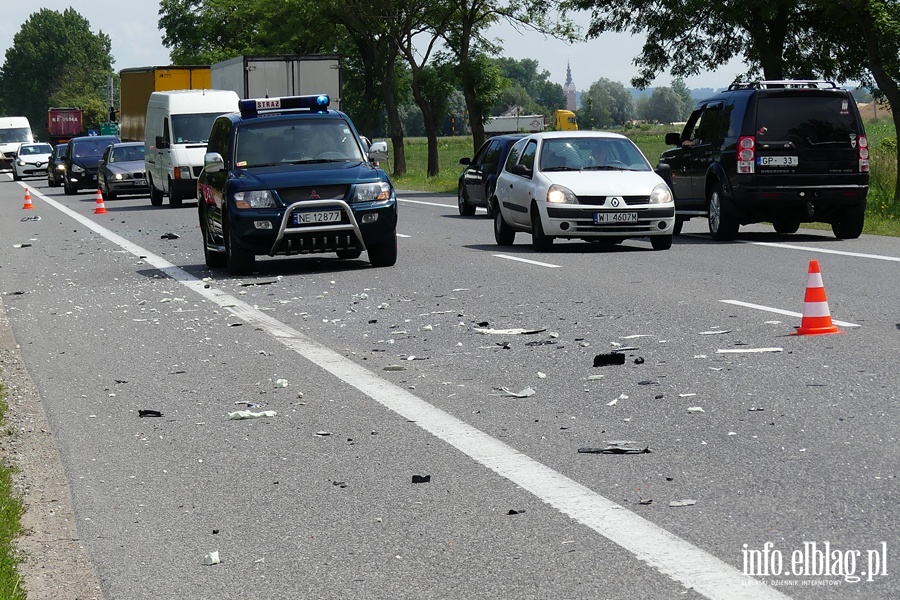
x: 783, y: 83
x: 253, y: 107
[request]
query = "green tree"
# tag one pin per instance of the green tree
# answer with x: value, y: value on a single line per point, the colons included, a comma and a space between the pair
x: 663, y: 106
x: 606, y: 103
x: 55, y: 60
x: 684, y: 96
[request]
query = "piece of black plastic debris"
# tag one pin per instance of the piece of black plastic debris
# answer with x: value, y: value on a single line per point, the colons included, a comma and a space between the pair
x: 483, y: 324
x: 169, y: 236
x: 146, y: 412
x: 513, y: 511
x: 421, y: 478
x: 504, y: 345
x: 541, y: 343
x: 120, y: 380
x: 647, y: 502
x: 648, y: 382
x: 17, y: 293
x: 615, y: 449
x: 372, y: 321
x: 215, y: 532
x: 613, y: 358
x: 659, y: 396
x: 639, y: 360
x: 256, y: 283
x: 340, y: 484
x: 235, y: 324
x: 22, y: 246
x: 670, y: 479
x: 206, y: 286
x: 755, y: 409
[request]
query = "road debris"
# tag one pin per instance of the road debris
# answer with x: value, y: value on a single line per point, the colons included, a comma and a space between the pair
x: 146, y: 412
x: 21, y: 245
x: 169, y: 236
x: 615, y: 401
x: 34, y: 218
x: 613, y: 358
x: 249, y: 414
x: 513, y: 511
x: 715, y: 332
x: 421, y: 478
x: 685, y: 502
x: 281, y: 383
x: 747, y: 350
x: 394, y: 368
x: 323, y: 433
x: 514, y: 331
x: 212, y: 558
x: 695, y: 409
x: 523, y: 393
x: 618, y: 447
x: 755, y: 409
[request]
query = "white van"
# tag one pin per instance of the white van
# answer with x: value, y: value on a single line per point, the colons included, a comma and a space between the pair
x: 175, y: 137
x: 13, y: 131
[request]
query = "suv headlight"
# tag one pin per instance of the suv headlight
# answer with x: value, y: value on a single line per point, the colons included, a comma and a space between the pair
x: 558, y: 194
x: 372, y: 192
x: 660, y: 195
x: 76, y: 168
x: 254, y: 199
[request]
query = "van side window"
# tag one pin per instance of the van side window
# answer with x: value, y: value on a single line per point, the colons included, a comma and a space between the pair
x: 166, y: 136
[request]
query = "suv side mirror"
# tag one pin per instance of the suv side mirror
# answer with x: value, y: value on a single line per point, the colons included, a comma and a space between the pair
x: 465, y: 160
x: 161, y: 143
x: 213, y: 162
x: 673, y: 139
x: 378, y: 151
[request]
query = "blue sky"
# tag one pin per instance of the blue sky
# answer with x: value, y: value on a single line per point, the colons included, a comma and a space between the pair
x: 136, y: 42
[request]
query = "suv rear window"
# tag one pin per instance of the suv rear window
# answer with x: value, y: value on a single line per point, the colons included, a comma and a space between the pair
x: 812, y: 120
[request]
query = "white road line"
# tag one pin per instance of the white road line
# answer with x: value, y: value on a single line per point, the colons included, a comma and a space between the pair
x: 426, y: 203
x: 692, y: 567
x: 782, y: 312
x: 823, y: 251
x: 530, y: 262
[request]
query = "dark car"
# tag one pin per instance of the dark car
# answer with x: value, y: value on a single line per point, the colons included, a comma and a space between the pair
x: 122, y: 171
x: 288, y: 176
x: 786, y: 152
x: 478, y: 180
x: 82, y: 158
x: 56, y: 168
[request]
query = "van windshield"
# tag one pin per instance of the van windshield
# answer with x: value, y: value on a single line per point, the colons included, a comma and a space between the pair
x: 15, y: 134
x: 189, y: 129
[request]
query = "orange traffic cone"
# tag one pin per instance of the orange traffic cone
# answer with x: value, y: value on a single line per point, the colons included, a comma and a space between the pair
x: 816, y: 316
x: 101, y: 208
x: 28, y: 205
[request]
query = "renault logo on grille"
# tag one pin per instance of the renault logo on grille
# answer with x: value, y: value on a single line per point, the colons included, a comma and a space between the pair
x: 314, y: 195
x: 616, y: 201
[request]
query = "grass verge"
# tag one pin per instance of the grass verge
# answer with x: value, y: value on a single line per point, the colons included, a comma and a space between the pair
x: 11, y: 510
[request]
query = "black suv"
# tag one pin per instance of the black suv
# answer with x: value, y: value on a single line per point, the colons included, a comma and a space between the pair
x: 82, y: 160
x: 786, y: 152
x: 288, y: 176
x: 479, y: 178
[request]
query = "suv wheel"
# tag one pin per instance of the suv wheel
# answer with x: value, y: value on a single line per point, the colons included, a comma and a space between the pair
x: 722, y: 224
x: 504, y: 235
x: 156, y: 196
x: 214, y: 260
x: 465, y: 209
x: 385, y: 254
x: 239, y: 261
x: 69, y: 190
x: 850, y: 225
x: 786, y: 226
x: 540, y: 240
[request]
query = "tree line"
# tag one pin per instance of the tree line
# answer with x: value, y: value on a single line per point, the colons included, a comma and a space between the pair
x: 431, y: 59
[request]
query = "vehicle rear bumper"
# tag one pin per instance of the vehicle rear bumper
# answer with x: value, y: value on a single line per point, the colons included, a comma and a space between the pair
x: 803, y: 203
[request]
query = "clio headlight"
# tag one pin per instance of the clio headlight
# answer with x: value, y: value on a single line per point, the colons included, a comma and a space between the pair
x: 661, y: 195
x: 558, y: 194
x: 254, y: 199
x: 372, y: 192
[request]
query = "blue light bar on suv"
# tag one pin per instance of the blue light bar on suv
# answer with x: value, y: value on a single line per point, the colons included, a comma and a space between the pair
x: 252, y: 107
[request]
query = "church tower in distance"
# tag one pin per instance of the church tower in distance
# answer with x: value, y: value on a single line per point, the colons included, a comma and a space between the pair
x: 569, y: 89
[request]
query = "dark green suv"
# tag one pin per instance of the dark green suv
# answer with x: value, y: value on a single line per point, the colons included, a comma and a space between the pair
x: 786, y: 152
x: 288, y: 176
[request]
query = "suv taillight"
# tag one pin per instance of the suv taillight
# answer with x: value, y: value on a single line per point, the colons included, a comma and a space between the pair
x: 863, y: 154
x: 746, y: 154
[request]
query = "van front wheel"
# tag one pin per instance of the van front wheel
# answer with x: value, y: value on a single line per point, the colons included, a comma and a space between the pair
x: 156, y: 196
x: 175, y: 197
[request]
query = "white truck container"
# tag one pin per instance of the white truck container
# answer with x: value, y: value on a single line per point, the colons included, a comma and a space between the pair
x: 279, y: 76
x: 13, y: 131
x: 515, y: 124
x: 175, y: 138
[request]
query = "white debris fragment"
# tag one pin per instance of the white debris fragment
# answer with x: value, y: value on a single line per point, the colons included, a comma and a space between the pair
x: 773, y: 322
x: 637, y: 335
x: 595, y: 377
x: 685, y: 502
x: 541, y: 375
x: 383, y: 305
x: 249, y: 414
x: 427, y: 328
x: 747, y: 350
x: 695, y: 409
x: 699, y: 356
x: 715, y: 332
x: 212, y: 558
x: 523, y: 393
x: 687, y: 395
x: 281, y: 383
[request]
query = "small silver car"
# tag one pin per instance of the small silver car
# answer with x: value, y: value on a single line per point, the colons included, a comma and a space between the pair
x: 122, y: 171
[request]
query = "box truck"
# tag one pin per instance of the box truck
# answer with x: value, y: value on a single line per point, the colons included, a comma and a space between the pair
x: 138, y: 83
x: 279, y: 76
x: 63, y: 124
x: 13, y: 131
x: 515, y: 124
x: 175, y: 136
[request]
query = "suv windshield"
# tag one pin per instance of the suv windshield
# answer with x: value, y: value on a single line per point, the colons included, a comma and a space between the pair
x: 192, y: 128
x: 90, y: 148
x: 300, y: 141
x: 814, y: 120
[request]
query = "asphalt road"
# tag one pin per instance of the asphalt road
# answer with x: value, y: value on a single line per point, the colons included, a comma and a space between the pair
x: 381, y: 375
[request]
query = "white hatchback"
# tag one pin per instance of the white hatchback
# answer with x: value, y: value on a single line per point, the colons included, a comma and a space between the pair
x: 589, y: 185
x: 31, y: 160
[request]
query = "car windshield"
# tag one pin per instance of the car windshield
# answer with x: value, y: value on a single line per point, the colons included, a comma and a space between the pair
x: 15, y: 134
x: 59, y: 151
x: 35, y: 149
x: 591, y: 153
x: 127, y: 153
x: 292, y: 142
x: 90, y: 148
x: 189, y: 129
